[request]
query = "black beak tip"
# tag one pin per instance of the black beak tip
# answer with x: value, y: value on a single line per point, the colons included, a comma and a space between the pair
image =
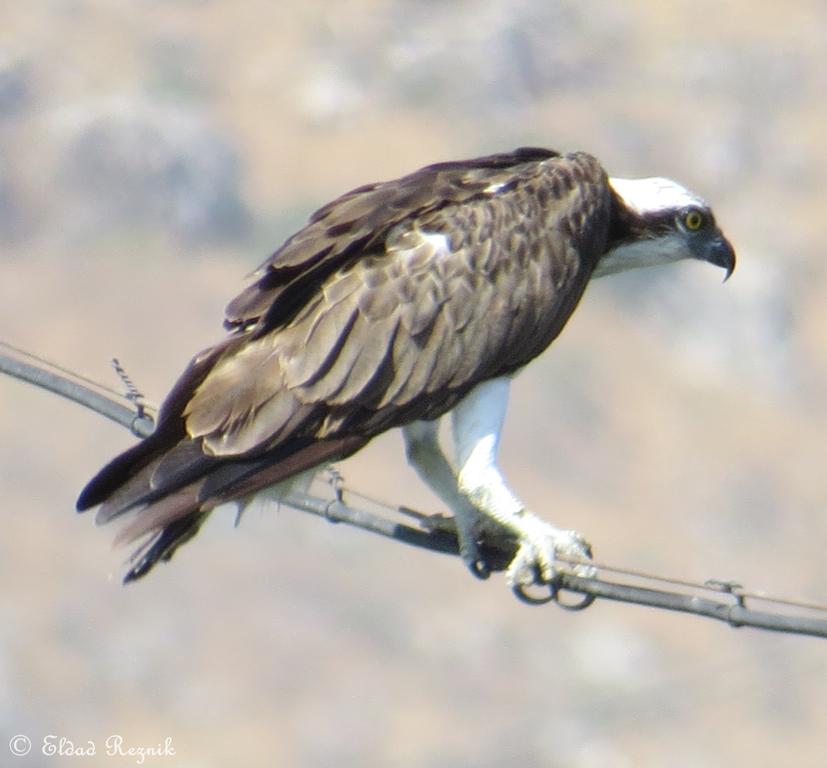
x: 722, y: 255
x: 730, y: 268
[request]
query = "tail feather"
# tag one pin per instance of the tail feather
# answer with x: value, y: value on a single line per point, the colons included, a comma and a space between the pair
x: 165, y: 474
x: 168, y: 484
x: 116, y: 474
x: 159, y: 515
x: 162, y: 546
x: 169, y: 432
x: 172, y: 491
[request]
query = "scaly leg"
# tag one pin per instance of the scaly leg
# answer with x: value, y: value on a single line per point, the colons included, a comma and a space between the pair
x: 477, y: 421
x: 426, y: 457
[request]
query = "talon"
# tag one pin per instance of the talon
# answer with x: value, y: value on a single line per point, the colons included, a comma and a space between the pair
x: 479, y: 568
x: 470, y: 554
x: 583, y: 602
x: 522, y: 593
x: 540, y: 545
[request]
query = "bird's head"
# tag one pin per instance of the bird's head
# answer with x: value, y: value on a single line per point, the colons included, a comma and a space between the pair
x: 657, y: 221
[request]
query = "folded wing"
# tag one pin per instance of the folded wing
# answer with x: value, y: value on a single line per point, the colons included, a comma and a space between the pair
x: 388, y: 307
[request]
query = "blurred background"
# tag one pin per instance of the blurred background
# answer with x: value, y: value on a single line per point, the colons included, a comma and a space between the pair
x: 151, y: 156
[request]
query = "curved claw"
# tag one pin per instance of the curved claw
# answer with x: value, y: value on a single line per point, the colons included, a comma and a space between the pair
x: 479, y: 568
x: 584, y: 602
x: 470, y: 554
x: 540, y: 545
x: 523, y: 595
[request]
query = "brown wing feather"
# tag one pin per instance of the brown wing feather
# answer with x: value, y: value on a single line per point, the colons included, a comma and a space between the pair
x: 390, y: 305
x: 357, y: 223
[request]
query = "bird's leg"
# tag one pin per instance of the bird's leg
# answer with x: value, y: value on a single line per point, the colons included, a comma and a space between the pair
x: 426, y: 457
x: 478, y: 420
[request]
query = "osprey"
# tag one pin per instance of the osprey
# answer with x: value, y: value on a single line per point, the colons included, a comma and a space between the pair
x: 398, y: 303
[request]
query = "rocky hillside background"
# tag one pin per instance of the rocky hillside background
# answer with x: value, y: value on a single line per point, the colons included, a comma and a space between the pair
x: 151, y: 155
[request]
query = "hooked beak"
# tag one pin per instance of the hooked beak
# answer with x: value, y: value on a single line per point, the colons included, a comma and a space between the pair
x: 719, y: 251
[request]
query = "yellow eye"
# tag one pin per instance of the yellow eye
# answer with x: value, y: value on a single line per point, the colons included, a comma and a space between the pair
x: 693, y: 219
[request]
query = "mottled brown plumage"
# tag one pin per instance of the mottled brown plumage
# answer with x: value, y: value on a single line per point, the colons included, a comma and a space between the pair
x: 389, y: 306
